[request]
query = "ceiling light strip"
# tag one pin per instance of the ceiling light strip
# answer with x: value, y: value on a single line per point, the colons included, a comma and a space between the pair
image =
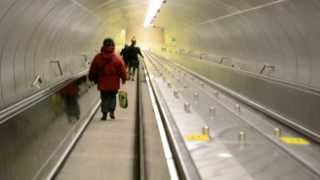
x: 154, y: 7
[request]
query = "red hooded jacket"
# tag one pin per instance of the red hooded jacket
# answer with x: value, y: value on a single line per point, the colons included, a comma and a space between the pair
x: 107, y: 71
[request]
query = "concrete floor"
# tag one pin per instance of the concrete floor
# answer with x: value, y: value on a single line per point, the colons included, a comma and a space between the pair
x: 106, y: 149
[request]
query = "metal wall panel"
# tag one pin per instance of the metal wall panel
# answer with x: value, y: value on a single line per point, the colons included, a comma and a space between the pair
x: 35, y: 32
x: 31, y: 145
x: 251, y: 34
x: 297, y: 104
x: 284, y: 34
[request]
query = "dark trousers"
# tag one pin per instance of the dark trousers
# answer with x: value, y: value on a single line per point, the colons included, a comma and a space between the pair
x: 72, y: 105
x: 133, y: 65
x: 108, y: 101
x: 132, y: 71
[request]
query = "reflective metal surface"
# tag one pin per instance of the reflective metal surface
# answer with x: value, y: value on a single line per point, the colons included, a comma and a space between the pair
x: 33, y: 141
x: 265, y: 50
x: 243, y: 141
x: 33, y: 34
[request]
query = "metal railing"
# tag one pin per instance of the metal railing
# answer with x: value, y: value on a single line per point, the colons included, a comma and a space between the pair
x: 9, y: 112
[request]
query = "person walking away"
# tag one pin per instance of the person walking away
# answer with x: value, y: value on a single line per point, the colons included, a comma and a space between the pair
x: 132, y: 55
x: 124, y: 55
x: 106, y: 70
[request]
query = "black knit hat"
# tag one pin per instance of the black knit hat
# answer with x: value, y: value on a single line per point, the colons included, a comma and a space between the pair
x: 108, y: 42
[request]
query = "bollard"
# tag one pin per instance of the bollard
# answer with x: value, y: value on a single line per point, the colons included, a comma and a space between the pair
x: 216, y: 94
x: 242, y: 137
x: 277, y: 132
x: 206, y: 131
x: 187, y: 107
x: 169, y: 85
x: 202, y: 84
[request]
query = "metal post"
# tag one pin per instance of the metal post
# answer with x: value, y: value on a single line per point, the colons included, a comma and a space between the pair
x: 242, y: 137
x: 277, y: 132
x: 206, y: 131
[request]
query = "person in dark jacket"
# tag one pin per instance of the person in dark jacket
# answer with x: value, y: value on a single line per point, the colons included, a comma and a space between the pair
x: 107, y: 69
x: 132, y: 55
x: 124, y: 55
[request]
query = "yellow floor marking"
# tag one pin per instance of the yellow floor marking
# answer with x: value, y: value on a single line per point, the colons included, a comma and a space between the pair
x: 295, y: 140
x: 197, y: 137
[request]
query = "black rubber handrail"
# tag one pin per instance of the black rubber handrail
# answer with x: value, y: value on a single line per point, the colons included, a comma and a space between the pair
x: 140, y: 126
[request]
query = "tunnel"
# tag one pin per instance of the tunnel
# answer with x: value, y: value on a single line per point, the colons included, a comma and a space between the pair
x: 225, y: 89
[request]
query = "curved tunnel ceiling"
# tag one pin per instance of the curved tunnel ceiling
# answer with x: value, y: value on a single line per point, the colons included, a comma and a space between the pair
x: 283, y: 33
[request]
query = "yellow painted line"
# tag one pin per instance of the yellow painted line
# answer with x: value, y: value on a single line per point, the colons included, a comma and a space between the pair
x: 197, y: 137
x: 295, y: 140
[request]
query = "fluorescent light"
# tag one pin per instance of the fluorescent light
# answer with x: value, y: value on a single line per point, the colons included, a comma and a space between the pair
x: 225, y: 155
x: 154, y: 7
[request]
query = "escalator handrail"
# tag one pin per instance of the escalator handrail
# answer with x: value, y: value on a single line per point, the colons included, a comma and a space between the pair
x: 13, y: 110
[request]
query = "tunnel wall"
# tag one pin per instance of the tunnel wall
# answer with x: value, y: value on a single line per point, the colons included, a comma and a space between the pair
x: 280, y: 33
x: 233, y: 48
x: 34, y: 35
x: 297, y: 107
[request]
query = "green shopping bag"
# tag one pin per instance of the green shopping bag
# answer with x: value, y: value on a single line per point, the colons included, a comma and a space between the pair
x: 123, y: 99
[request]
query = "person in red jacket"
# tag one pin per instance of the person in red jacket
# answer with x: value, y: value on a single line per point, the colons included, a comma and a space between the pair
x: 107, y: 69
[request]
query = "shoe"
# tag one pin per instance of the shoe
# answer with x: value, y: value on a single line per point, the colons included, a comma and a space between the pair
x: 112, y: 115
x: 104, y: 117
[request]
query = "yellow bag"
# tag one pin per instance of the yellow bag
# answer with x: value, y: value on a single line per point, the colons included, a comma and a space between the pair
x: 123, y: 99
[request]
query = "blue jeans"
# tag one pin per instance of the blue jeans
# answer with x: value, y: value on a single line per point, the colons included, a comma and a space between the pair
x: 108, y: 101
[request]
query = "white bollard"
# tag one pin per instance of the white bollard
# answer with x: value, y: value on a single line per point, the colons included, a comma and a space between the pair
x: 242, y: 137
x: 206, y: 131
x: 277, y: 132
